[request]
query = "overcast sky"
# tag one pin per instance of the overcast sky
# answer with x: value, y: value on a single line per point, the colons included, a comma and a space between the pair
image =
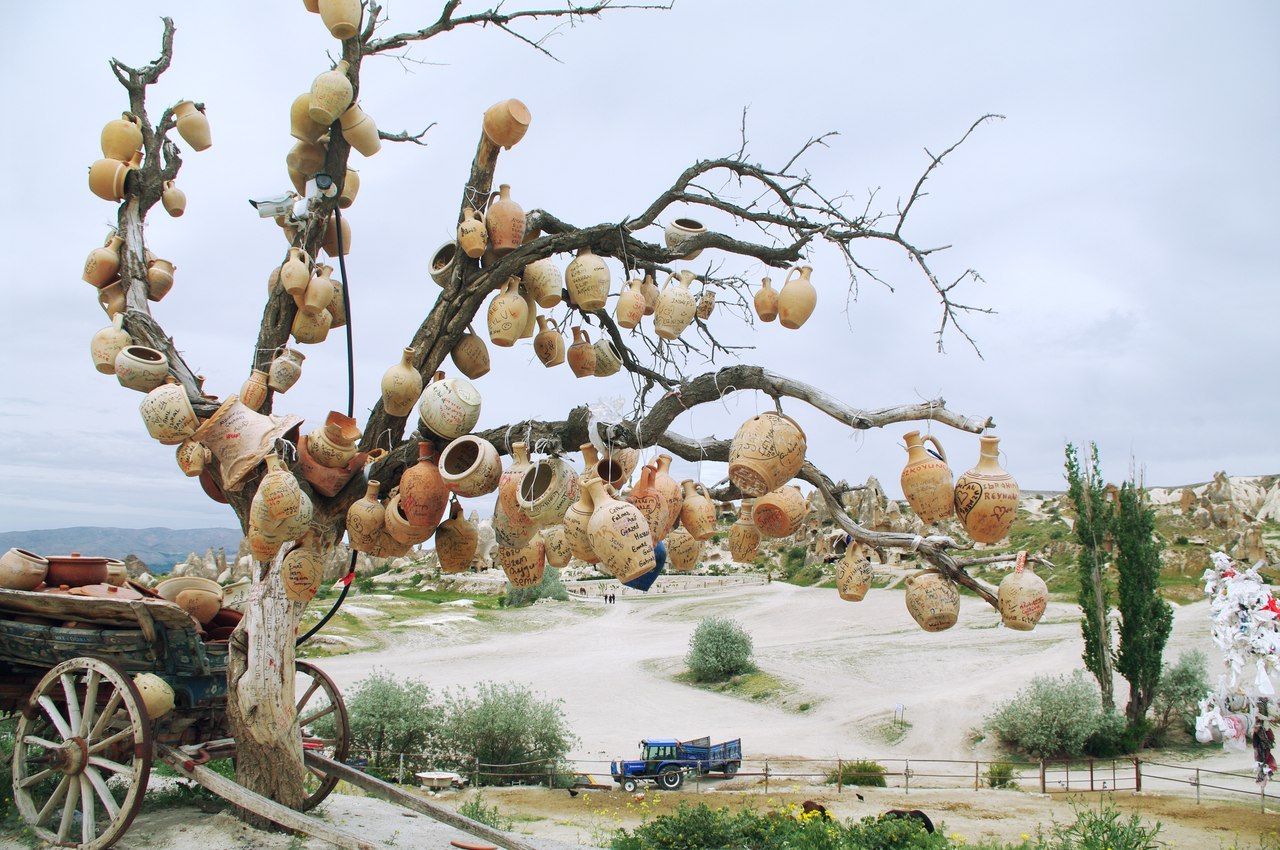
x: 1120, y: 216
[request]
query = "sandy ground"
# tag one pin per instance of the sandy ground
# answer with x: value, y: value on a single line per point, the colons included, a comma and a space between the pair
x: 853, y: 662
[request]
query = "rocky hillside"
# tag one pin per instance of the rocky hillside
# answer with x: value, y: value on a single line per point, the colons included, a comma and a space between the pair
x: 158, y: 548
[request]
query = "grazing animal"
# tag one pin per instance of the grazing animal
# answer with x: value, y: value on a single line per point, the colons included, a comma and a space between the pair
x: 859, y: 796
x: 913, y: 814
x: 573, y: 792
x: 809, y: 807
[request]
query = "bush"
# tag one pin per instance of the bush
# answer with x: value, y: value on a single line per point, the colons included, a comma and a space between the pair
x: 1103, y: 828
x: 487, y: 815
x: 1053, y: 716
x: 1109, y: 738
x: 719, y: 649
x: 1182, y: 686
x: 549, y: 588
x: 506, y: 724
x: 866, y: 773
x: 1001, y: 774
x: 387, y: 715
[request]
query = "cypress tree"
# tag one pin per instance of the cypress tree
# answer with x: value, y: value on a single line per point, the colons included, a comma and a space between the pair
x: 1145, y: 618
x: 1093, y: 519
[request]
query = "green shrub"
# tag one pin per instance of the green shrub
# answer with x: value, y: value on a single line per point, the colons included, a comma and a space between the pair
x: 719, y: 649
x: 549, y: 588
x: 1182, y: 686
x: 1102, y: 828
x: 1108, y: 738
x: 387, y: 715
x: 1001, y: 774
x: 861, y: 772
x: 506, y: 724
x: 365, y: 584
x: 1052, y: 716
x: 487, y: 815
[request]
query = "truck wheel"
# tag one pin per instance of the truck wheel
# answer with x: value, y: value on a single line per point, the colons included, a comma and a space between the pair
x: 731, y: 768
x: 628, y: 785
x: 671, y: 779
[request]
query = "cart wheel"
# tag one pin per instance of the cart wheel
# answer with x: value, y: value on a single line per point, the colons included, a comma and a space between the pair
x: 671, y: 778
x: 628, y: 785
x: 82, y: 755
x: 731, y: 768
x: 319, y: 703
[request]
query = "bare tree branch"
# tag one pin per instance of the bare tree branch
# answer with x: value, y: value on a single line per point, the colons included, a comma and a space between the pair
x: 404, y: 136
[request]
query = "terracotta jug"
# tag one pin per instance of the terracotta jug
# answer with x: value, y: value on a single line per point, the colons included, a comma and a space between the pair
x: 766, y: 301
x: 342, y: 17
x: 350, y: 188
x: 546, y: 491
x: 472, y: 236
x: 766, y: 452
x: 622, y: 462
x: 296, y: 273
x: 310, y: 329
x: 253, y: 392
x: 508, y: 313
x: 286, y: 369
x: 167, y: 413
x: 933, y: 601
x: 423, y: 492
x: 506, y: 122
x: 173, y: 199
x: 508, y: 491
x: 853, y: 576
x: 111, y: 299
x: 319, y: 293
x: 587, y: 279
x: 542, y: 280
x: 987, y: 496
x: 301, y: 127
x: 449, y: 407
x: 279, y: 491
x: 331, y: 94
x: 1022, y: 598
x: 744, y: 537
x: 608, y: 361
x: 334, y: 445
x: 106, y: 344
x: 549, y: 343
x: 121, y: 137
x: 670, y: 492
x: 193, y: 126
x: 797, y: 298
x: 456, y: 541
x: 360, y: 131
x: 780, y: 512
x: 159, y: 278
x: 531, y: 313
x: 581, y: 356
x: 443, y: 262
x: 240, y: 439
x: 365, y: 519
x: 619, y: 535
x: 577, y: 521
x: 102, y: 266
x: 706, y: 304
x: 141, y: 368
x: 330, y: 241
x: 396, y: 524
x: 106, y: 179
x: 649, y: 289
x: 22, y: 570
x: 470, y: 466
x: 401, y: 386
x: 271, y: 533
x: 606, y: 469
x: 926, y: 479
x: 524, y: 565
x: 303, y: 570
x: 337, y: 304
x: 630, y: 307
x: 512, y: 530
x: 556, y: 545
x: 697, y: 511
x: 683, y: 550
x: 648, y: 500
x: 471, y: 355
x: 505, y: 222
x: 675, y: 306
x: 680, y: 231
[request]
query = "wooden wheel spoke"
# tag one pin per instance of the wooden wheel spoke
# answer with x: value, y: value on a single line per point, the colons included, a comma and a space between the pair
x: 113, y: 766
x: 314, y: 717
x: 55, y: 717
x: 36, y: 778
x: 89, y: 710
x: 104, y: 793
x: 39, y: 742
x: 99, y: 746
x: 108, y: 713
x: 315, y: 684
x: 73, y: 703
x: 54, y: 799
x: 88, y: 812
x: 68, y: 808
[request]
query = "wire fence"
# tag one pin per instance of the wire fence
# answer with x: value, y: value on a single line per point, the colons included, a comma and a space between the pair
x: 1047, y: 776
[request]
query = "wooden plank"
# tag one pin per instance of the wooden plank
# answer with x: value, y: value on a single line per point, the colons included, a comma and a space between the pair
x: 234, y: 793
x: 86, y: 609
x: 393, y: 794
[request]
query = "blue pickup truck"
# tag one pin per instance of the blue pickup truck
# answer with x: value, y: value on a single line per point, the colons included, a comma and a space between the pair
x: 665, y: 761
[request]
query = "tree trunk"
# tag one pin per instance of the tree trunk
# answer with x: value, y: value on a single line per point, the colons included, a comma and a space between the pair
x: 260, y: 696
x: 1105, y: 677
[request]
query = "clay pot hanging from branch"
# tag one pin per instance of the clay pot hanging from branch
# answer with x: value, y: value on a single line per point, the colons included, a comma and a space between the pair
x: 548, y: 344
x: 401, y: 385
x: 926, y: 479
x: 470, y: 466
x: 508, y: 314
x: 683, y: 550
x: 630, y: 307
x: 506, y: 122
x: 581, y: 356
x: 193, y: 125
x: 697, y: 511
x: 587, y: 279
x: 682, y: 230
x: 449, y: 407
x: 932, y: 600
x: 546, y: 491
x: 473, y: 238
x: 780, y: 512
x: 471, y: 355
x: 853, y: 576
x: 543, y: 280
x: 619, y: 534
x: 676, y: 307
x: 986, y: 497
x: 505, y: 220
x: 331, y: 94
x: 767, y: 451
x: 797, y: 298
x: 524, y: 564
x: 122, y: 137
x: 577, y: 521
x: 106, y: 344
x: 457, y: 541
x: 1022, y: 597
x: 744, y: 537
x: 766, y: 301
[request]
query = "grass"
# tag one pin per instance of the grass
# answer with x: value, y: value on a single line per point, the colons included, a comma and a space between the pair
x: 757, y: 686
x: 891, y: 731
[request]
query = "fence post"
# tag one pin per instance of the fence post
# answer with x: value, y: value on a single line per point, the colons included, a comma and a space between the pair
x: 1197, y: 784
x: 1137, y: 773
x: 975, y: 776
x: 839, y: 775
x: 1091, y: 773
x: 766, y: 776
x: 1043, y: 790
x: 475, y: 774
x: 906, y: 775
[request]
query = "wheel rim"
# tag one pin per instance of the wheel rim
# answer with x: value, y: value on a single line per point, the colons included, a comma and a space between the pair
x: 82, y: 754
x: 322, y: 716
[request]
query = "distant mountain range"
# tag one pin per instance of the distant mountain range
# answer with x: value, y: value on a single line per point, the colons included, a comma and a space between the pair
x: 158, y: 548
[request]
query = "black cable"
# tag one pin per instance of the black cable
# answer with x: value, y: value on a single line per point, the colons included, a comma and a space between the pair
x: 351, y: 406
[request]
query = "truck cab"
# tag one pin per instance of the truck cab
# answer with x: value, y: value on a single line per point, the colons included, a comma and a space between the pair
x: 659, y: 762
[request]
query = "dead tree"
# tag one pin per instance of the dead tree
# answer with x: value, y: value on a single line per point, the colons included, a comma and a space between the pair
x: 787, y: 212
